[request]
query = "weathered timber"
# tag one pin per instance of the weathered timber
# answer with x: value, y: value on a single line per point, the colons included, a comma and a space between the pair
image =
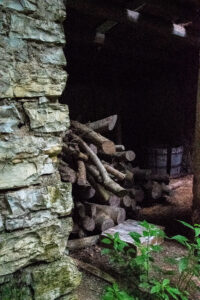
x: 104, y: 125
x: 119, y: 156
x: 86, y: 192
x: 103, y: 221
x: 119, y: 175
x: 69, y: 151
x: 127, y: 201
x: 88, y: 223
x: 81, y: 174
x: 67, y: 174
x: 117, y: 214
x: 94, y: 270
x: 137, y: 194
x: 94, y: 172
x: 105, y: 144
x: 81, y: 209
x: 107, y: 181
x: 82, y: 242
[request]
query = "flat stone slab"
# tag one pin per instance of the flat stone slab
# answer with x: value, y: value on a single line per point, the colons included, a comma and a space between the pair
x: 132, y: 226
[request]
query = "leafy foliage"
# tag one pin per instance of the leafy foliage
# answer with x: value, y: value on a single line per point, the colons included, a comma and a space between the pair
x: 144, y: 278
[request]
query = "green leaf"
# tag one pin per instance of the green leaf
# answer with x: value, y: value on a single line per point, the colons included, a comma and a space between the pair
x: 180, y: 238
x: 155, y: 289
x: 165, y: 282
x: 183, y: 264
x: 105, y: 251
x: 156, y: 248
x: 145, y: 224
x: 106, y: 241
x: 197, y: 232
x: 135, y: 236
x: 187, y: 224
x: 198, y: 241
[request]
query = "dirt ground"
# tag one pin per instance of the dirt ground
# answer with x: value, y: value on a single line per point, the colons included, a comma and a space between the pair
x: 178, y: 207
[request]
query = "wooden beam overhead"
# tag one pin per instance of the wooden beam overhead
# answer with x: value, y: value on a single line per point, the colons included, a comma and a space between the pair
x: 132, y: 18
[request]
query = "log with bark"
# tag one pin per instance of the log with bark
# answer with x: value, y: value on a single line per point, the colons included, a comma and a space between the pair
x: 106, y: 184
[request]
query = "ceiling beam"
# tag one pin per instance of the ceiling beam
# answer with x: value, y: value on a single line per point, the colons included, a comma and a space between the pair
x: 132, y: 18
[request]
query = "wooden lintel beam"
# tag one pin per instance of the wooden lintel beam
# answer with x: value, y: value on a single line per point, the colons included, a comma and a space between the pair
x: 131, y: 17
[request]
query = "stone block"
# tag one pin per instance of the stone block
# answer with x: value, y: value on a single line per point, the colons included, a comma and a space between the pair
x: 1, y: 223
x: 14, y: 148
x: 10, y: 119
x: 18, y: 5
x: 56, y: 280
x: 52, y: 10
x: 24, y: 172
x: 47, y: 54
x: 29, y: 28
x: 28, y: 220
x: 47, y: 117
x: 34, y: 80
x: 44, y: 242
x: 57, y: 199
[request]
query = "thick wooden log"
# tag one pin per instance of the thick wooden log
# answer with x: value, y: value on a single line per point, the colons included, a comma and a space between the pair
x: 107, y: 181
x: 114, y: 201
x: 102, y: 195
x: 128, y: 156
x: 86, y: 192
x: 82, y: 242
x: 125, y: 155
x: 117, y: 214
x: 126, y: 201
x: 81, y: 233
x: 69, y: 151
x: 81, y: 209
x: 81, y: 174
x: 94, y: 172
x: 157, y: 190
x: 105, y: 144
x: 141, y: 174
x: 67, y: 174
x: 137, y: 194
x: 88, y: 223
x: 103, y: 221
x: 90, y: 209
x: 104, y: 125
x: 119, y: 175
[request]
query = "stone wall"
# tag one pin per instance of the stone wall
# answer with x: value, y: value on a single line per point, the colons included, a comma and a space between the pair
x: 35, y: 205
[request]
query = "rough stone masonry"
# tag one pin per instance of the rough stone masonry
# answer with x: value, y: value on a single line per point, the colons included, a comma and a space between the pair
x: 34, y: 204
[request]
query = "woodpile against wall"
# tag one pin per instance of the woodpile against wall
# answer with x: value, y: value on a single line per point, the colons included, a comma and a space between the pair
x: 108, y: 188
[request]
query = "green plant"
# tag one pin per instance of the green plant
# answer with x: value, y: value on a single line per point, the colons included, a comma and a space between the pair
x: 114, y: 293
x: 145, y: 277
x: 189, y: 264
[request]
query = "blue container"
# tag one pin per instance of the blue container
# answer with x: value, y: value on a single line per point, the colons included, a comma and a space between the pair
x: 165, y: 160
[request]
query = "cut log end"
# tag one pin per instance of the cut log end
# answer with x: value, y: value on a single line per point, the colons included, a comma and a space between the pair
x: 108, y: 147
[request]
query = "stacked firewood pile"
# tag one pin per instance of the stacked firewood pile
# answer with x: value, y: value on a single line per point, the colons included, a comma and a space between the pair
x: 107, y: 187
